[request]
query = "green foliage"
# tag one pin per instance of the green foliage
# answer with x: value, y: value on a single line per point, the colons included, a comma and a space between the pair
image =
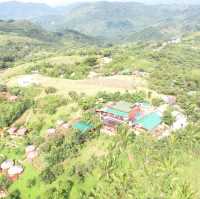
x: 91, y: 61
x: 168, y: 118
x: 3, y: 88
x: 15, y: 195
x: 4, y: 182
x: 11, y: 111
x: 47, y: 175
x: 50, y: 103
x: 156, y: 102
x: 31, y: 183
x: 50, y: 90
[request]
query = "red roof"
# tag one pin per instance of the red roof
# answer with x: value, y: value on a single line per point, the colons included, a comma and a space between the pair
x: 133, y: 113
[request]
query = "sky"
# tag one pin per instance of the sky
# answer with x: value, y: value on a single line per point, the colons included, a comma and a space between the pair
x: 65, y: 2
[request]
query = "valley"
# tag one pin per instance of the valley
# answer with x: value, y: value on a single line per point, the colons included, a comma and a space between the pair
x: 100, y: 101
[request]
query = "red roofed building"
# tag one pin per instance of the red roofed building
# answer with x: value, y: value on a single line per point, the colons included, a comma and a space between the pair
x: 133, y: 114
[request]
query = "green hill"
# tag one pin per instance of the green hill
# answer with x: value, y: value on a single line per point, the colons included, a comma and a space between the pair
x: 25, y: 28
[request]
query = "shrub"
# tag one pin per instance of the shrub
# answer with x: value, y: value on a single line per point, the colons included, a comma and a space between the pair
x: 50, y: 90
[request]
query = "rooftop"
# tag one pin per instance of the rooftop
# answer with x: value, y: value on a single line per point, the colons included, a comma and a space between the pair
x: 82, y: 126
x: 123, y: 106
x: 116, y: 112
x: 150, y: 121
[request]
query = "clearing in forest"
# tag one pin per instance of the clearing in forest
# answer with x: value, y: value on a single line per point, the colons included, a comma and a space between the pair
x: 89, y: 86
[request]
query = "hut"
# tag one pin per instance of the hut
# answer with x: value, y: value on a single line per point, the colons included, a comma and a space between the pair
x: 13, y: 98
x: 30, y: 149
x: 22, y: 131
x: 65, y: 126
x: 32, y: 155
x: 12, y: 130
x: 14, y: 172
x: 169, y: 99
x: 51, y: 131
x: 82, y: 126
x: 6, y: 165
x: 31, y: 152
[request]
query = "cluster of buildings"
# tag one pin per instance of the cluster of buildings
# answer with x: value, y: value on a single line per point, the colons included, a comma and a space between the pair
x: 14, y: 131
x: 140, y: 116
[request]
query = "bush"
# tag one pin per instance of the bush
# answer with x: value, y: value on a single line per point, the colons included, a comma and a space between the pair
x: 49, y: 104
x: 3, y: 88
x: 156, y: 101
x: 50, y: 90
x: 31, y: 182
x: 47, y: 176
x: 11, y: 111
x: 91, y: 61
x: 168, y: 118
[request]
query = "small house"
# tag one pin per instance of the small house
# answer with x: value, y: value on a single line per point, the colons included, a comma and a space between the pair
x: 32, y: 155
x: 14, y: 172
x: 21, y: 131
x: 51, y: 131
x: 31, y: 152
x: 82, y: 126
x: 30, y: 149
x: 169, y: 99
x: 6, y: 165
x: 12, y: 130
x: 13, y: 98
x: 65, y: 126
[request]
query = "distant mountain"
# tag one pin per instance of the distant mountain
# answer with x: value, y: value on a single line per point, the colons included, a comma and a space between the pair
x: 117, y: 21
x: 17, y: 10
x: 113, y: 21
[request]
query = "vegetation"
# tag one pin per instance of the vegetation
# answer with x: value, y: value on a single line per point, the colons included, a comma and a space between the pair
x: 73, y: 75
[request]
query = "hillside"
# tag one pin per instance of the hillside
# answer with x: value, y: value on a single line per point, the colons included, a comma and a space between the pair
x: 100, y: 101
x: 60, y: 159
x: 34, y: 31
x: 21, y: 40
x: 116, y: 21
x: 25, y: 28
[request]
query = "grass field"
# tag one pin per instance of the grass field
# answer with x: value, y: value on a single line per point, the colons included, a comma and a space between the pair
x: 88, y: 86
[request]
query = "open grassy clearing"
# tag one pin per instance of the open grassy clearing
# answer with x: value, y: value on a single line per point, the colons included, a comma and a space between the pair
x: 88, y: 86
